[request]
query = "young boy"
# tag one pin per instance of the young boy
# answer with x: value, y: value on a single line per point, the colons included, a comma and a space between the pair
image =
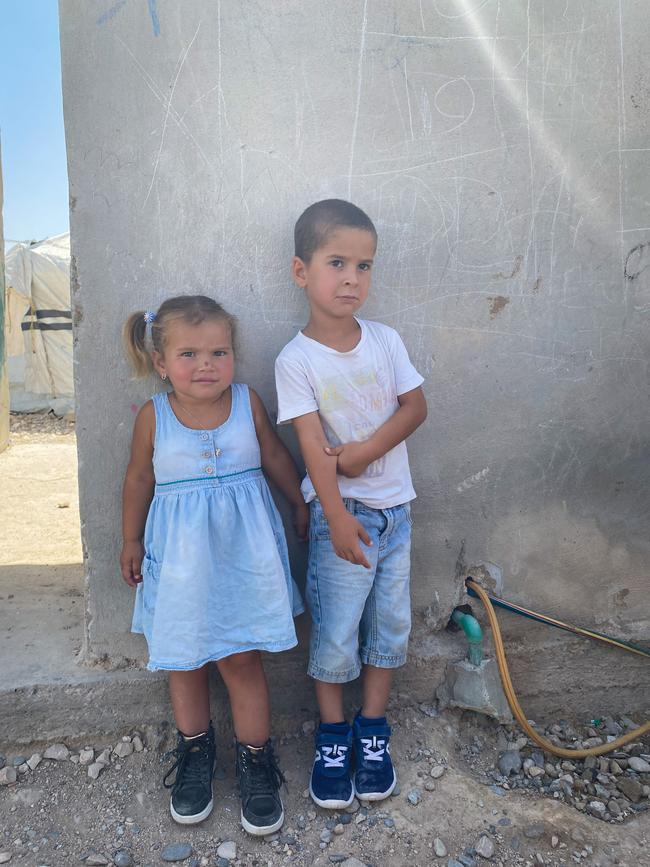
x: 353, y: 396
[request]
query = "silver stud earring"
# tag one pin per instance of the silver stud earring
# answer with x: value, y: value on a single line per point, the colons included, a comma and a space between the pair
x: 163, y: 376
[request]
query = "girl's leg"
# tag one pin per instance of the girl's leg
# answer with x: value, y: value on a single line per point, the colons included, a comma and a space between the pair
x: 190, y: 777
x: 248, y: 691
x: 190, y: 698
x: 257, y: 770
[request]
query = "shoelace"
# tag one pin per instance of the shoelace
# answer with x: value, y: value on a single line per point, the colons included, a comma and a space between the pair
x: 334, y: 756
x: 189, y: 764
x: 259, y: 773
x: 373, y: 749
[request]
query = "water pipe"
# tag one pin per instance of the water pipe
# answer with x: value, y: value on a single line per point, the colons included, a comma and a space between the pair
x: 473, y: 632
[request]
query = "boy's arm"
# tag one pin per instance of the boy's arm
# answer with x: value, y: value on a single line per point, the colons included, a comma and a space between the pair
x: 278, y: 464
x: 137, y: 494
x: 354, y: 457
x: 345, y: 529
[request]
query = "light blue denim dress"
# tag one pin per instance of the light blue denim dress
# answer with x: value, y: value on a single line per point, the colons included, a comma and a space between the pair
x: 216, y: 577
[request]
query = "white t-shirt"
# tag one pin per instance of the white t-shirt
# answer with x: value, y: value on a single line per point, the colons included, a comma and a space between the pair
x: 354, y: 393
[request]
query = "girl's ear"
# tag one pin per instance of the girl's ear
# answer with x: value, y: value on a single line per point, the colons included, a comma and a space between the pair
x: 158, y: 363
x: 299, y: 272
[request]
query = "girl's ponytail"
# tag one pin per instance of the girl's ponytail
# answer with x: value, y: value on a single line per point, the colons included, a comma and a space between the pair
x: 133, y: 336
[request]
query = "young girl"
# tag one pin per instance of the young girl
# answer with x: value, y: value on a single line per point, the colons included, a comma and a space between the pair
x: 205, y: 547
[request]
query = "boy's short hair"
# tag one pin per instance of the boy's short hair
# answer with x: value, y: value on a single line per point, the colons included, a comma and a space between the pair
x: 318, y: 221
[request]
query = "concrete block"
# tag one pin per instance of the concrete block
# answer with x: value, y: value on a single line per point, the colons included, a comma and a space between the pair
x: 475, y: 687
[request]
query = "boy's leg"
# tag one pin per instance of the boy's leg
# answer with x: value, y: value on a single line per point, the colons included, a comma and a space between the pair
x: 377, y: 684
x: 385, y: 628
x: 257, y: 770
x: 336, y: 594
x: 330, y: 701
x: 191, y: 797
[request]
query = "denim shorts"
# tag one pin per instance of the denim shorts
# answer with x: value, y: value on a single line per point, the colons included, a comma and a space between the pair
x: 359, y: 616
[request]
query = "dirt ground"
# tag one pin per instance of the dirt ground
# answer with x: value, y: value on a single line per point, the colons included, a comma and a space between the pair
x: 56, y: 814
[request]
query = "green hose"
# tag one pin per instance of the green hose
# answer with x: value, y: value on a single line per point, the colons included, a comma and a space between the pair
x: 473, y: 632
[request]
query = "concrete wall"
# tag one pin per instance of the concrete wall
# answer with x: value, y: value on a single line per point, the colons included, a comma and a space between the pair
x: 500, y: 147
x: 4, y: 379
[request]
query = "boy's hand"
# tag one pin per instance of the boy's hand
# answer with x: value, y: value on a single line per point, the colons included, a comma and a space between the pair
x: 131, y: 562
x: 346, y: 531
x: 351, y: 458
x: 301, y: 521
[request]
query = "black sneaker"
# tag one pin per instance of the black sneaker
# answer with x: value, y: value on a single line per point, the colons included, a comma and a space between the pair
x: 260, y: 779
x: 191, y: 799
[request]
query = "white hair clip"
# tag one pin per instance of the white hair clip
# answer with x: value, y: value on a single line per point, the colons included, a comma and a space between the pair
x: 149, y: 316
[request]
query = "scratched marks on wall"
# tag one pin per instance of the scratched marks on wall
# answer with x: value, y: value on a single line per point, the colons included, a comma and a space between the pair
x: 113, y: 10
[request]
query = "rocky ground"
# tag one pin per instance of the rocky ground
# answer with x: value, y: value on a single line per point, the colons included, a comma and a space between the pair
x: 471, y: 792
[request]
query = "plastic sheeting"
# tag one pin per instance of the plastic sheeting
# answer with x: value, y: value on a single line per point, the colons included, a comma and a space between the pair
x: 38, y: 325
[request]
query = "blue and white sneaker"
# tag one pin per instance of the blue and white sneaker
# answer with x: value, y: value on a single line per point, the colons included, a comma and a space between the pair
x: 330, y: 785
x: 374, y: 776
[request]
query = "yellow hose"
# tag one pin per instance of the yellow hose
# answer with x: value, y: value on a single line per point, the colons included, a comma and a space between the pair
x: 515, y: 707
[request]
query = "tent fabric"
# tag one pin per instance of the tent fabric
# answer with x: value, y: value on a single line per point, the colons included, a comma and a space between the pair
x: 38, y: 325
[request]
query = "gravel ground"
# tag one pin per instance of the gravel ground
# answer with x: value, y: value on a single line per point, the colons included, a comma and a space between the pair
x: 33, y: 426
x: 453, y: 806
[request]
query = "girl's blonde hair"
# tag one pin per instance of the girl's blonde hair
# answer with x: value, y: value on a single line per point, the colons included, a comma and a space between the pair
x: 191, y: 309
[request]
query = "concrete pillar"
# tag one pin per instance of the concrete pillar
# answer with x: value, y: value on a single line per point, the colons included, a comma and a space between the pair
x: 501, y: 149
x: 4, y: 379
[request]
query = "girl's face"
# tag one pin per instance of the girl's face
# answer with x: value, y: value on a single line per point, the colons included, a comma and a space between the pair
x: 197, y: 359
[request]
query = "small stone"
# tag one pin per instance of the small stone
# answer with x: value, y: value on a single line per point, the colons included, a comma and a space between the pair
x: 96, y: 859
x: 639, y: 765
x: 451, y: 862
x: 596, y: 808
x: 122, y: 858
x: 437, y: 771
x: 485, y: 847
x: 534, y: 832
x: 123, y: 749
x: 326, y: 835
x: 227, y: 850
x: 338, y: 829
x: 630, y: 787
x: 414, y: 797
x: 430, y: 786
x: 86, y: 756
x: 104, y: 758
x: 308, y: 727
x: 176, y: 852
x: 353, y: 808
x: 95, y: 770
x: 57, y: 752
x: 33, y: 761
x: 17, y: 761
x: 5, y: 857
x: 439, y: 848
x: 7, y: 775
x: 138, y: 746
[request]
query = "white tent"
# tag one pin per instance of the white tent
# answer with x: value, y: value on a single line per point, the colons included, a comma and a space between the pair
x: 38, y: 326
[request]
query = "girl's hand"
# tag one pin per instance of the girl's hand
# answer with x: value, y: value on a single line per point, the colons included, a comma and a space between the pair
x: 351, y: 458
x: 345, y: 532
x: 131, y: 562
x: 301, y: 521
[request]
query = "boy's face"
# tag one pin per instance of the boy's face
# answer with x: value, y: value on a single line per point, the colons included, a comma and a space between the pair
x: 336, y: 279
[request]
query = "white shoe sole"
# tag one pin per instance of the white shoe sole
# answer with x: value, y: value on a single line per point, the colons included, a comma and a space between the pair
x: 377, y: 796
x: 331, y: 804
x: 191, y: 820
x: 261, y: 830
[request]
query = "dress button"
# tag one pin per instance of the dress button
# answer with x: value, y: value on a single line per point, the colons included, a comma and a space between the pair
x: 206, y: 454
x: 209, y: 470
x: 204, y: 436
